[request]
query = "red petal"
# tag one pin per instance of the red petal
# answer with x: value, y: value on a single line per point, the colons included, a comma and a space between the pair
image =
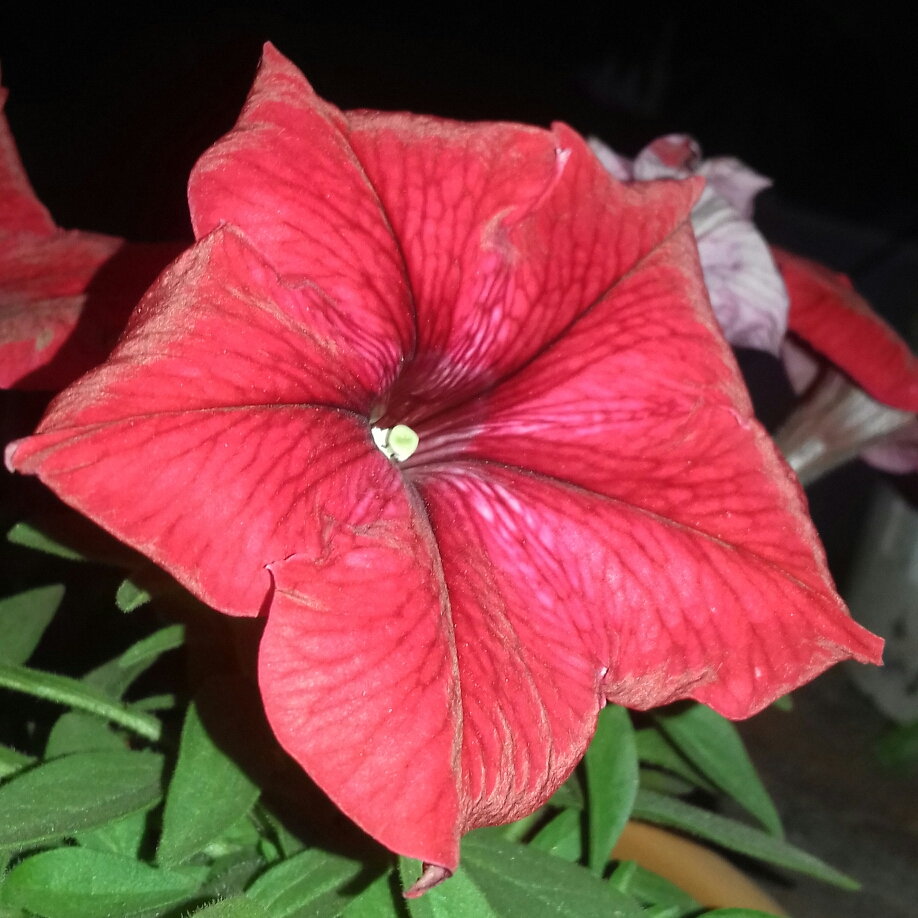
x: 357, y: 671
x: 508, y: 232
x: 286, y: 177
x: 238, y: 392
x: 20, y: 210
x: 831, y: 317
x: 639, y: 407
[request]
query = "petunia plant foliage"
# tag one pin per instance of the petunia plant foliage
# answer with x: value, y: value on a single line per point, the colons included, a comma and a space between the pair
x: 439, y: 416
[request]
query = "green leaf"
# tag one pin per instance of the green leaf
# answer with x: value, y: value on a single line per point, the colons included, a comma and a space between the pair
x: 785, y: 703
x: 651, y: 889
x: 76, y: 694
x: 519, y: 882
x: 313, y: 881
x: 612, y: 781
x: 163, y: 702
x: 241, y: 834
x: 153, y: 647
x: 77, y: 731
x: 569, y: 795
x: 28, y: 536
x: 12, y: 761
x: 381, y: 899
x: 232, y: 873
x: 713, y: 745
x: 458, y: 897
x: 23, y: 619
x: 82, y: 883
x: 898, y: 747
x: 207, y: 794
x: 77, y: 792
x: 668, y: 811
x: 236, y: 907
x: 562, y: 836
x: 288, y: 843
x: 654, y: 749
x: 664, y: 783
x: 736, y: 913
x: 130, y: 596
x: 123, y: 836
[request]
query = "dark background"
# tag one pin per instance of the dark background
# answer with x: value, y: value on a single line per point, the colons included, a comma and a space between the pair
x: 111, y: 105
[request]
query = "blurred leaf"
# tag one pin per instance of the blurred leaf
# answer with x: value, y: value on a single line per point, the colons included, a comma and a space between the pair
x: 785, y: 703
x: 379, y: 900
x: 130, y: 596
x: 154, y: 646
x: 236, y: 907
x: 515, y: 831
x: 23, y: 619
x: 115, y: 676
x: 662, y: 911
x: 458, y: 897
x: 612, y: 781
x: 82, y: 883
x: 713, y: 745
x: 569, y: 795
x: 655, y: 749
x: 664, y: 783
x: 77, y: 792
x: 898, y: 748
x: 154, y: 703
x: 519, y: 882
x: 75, y: 694
x: 312, y: 880
x: 29, y: 536
x: 77, y: 731
x: 12, y: 761
x: 736, y: 913
x: 207, y: 794
x: 674, y: 813
x: 651, y: 889
x: 562, y: 837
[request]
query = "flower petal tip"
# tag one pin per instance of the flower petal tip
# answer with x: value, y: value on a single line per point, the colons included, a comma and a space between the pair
x: 433, y: 875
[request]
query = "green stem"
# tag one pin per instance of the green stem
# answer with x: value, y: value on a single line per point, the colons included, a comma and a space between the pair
x: 75, y: 694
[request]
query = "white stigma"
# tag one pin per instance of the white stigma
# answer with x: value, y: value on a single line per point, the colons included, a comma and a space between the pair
x: 397, y: 442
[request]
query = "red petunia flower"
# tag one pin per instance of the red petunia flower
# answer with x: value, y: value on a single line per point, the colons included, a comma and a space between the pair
x: 860, y: 376
x: 448, y: 404
x: 65, y: 296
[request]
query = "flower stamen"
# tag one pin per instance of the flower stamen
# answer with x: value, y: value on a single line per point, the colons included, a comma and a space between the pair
x: 397, y: 442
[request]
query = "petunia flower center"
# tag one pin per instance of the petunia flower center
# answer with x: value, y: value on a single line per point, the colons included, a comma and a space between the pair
x: 397, y: 442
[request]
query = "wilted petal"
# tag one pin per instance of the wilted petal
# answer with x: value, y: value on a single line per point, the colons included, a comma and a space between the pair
x: 746, y: 290
x: 897, y: 452
x: 619, y: 167
x: 734, y: 181
x: 834, y: 320
x: 836, y: 421
x: 673, y: 156
x: 240, y: 390
x: 287, y: 178
x: 508, y: 233
x: 745, y: 287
